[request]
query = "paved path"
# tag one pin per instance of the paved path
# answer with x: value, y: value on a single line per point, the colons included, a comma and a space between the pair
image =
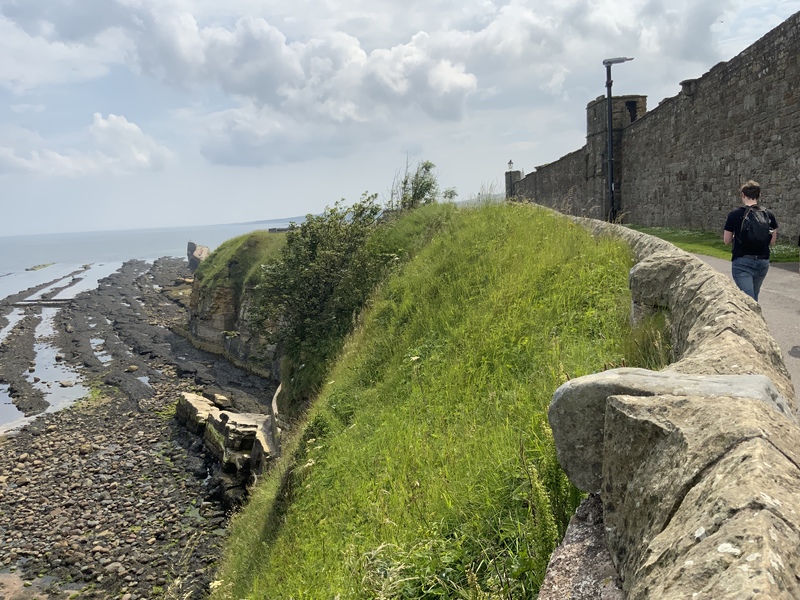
x: 780, y: 304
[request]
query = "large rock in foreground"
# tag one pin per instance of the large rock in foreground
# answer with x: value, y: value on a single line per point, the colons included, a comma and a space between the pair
x: 577, y: 412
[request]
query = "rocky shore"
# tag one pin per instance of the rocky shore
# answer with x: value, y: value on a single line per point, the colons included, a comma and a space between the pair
x: 111, y: 497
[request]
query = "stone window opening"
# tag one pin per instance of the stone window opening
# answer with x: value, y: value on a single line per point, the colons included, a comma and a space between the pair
x: 632, y: 109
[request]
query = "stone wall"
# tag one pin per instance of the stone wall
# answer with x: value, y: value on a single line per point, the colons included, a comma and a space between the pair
x: 694, y: 470
x: 681, y: 164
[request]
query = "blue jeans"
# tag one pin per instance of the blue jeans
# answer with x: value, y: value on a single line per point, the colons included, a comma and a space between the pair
x: 749, y: 274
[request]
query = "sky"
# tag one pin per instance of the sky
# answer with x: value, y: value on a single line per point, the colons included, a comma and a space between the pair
x: 125, y: 114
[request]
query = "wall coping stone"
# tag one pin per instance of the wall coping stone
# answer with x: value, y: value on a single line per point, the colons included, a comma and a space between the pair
x: 681, y: 456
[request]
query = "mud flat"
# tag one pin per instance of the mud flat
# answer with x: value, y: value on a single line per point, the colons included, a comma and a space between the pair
x: 109, y: 497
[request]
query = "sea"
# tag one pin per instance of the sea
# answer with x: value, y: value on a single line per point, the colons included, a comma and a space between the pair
x: 30, y: 260
x: 34, y: 260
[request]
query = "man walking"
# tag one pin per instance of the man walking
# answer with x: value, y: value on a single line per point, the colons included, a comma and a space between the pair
x: 752, y: 230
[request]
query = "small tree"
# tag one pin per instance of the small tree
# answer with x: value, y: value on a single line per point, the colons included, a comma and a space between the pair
x: 417, y: 188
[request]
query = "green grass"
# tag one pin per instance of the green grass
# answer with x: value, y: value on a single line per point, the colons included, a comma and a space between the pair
x: 237, y: 261
x: 426, y: 468
x: 710, y: 244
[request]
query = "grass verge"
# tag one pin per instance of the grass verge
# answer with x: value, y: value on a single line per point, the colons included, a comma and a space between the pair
x: 710, y: 244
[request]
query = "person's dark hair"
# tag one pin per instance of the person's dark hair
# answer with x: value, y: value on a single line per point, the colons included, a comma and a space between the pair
x: 751, y: 189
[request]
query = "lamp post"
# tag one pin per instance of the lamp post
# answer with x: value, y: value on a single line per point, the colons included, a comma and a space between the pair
x: 612, y: 216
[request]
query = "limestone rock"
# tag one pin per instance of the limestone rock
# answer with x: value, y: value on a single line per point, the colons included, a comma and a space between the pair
x: 715, y: 328
x: 581, y: 567
x: 196, y: 254
x: 577, y: 411
x: 230, y: 437
x: 658, y: 448
x: 194, y: 411
x: 734, y: 531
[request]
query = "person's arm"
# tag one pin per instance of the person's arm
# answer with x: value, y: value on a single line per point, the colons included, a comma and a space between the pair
x: 727, y: 237
x: 774, y: 223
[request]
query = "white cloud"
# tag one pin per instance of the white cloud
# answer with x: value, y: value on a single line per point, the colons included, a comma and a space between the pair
x: 126, y: 146
x: 28, y: 61
x: 118, y: 146
x: 284, y: 84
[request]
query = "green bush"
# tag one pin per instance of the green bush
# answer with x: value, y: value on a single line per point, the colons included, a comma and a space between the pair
x: 309, y: 297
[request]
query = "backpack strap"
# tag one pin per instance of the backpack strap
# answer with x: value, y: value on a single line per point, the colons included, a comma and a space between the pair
x: 744, y: 217
x: 754, y: 207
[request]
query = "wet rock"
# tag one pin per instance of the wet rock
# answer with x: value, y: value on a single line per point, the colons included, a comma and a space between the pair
x: 104, y: 493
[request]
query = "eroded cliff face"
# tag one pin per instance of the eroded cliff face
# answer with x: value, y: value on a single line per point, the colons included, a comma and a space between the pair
x: 219, y: 321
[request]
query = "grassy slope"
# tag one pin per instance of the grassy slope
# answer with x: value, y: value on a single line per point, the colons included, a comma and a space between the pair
x: 710, y: 244
x: 236, y: 262
x: 427, y: 467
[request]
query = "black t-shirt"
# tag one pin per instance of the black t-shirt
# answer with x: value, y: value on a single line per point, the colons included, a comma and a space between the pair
x: 734, y: 224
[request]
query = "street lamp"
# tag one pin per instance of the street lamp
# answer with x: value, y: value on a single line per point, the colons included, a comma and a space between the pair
x: 511, y: 165
x: 611, y: 201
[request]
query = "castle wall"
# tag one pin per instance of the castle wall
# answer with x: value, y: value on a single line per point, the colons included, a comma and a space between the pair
x: 681, y: 164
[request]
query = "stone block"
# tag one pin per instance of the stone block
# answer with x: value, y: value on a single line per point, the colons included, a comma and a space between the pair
x: 759, y: 552
x: 229, y: 438
x: 194, y: 411
x: 657, y: 449
x: 577, y: 411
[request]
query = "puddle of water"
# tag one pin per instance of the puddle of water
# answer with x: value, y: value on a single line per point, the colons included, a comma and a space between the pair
x: 145, y: 380
x: 50, y: 372
x: 16, y: 282
x: 89, y: 280
x: 13, y: 318
x: 10, y: 417
x: 99, y: 350
x: 55, y: 285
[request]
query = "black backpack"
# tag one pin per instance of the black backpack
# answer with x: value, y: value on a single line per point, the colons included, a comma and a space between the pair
x: 756, y: 228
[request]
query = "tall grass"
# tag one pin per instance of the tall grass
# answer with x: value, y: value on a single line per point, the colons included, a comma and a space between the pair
x: 426, y: 467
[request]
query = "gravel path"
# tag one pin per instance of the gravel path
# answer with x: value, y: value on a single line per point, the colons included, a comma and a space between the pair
x: 111, y: 498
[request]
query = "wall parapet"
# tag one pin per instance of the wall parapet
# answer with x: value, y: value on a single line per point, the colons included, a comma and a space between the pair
x: 694, y: 470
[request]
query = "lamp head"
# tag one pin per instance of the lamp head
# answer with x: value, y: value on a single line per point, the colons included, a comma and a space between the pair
x: 616, y: 61
x: 510, y: 165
